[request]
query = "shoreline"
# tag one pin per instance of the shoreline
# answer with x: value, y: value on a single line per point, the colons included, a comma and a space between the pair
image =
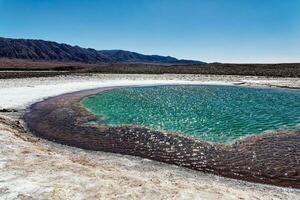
x: 62, y: 119
x: 18, y: 94
x: 30, y: 90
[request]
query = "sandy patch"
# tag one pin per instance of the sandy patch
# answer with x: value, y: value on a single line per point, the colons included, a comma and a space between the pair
x: 39, y: 169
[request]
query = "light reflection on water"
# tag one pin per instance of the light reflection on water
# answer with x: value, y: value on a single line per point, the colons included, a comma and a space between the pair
x: 213, y: 113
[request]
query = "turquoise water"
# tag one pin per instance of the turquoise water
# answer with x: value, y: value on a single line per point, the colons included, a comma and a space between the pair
x: 212, y: 113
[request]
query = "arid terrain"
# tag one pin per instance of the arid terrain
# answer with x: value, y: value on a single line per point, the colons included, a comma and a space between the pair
x: 33, y: 168
x: 24, y: 68
x: 149, y: 100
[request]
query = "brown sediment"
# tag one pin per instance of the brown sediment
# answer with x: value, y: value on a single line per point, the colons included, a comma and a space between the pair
x: 268, y: 158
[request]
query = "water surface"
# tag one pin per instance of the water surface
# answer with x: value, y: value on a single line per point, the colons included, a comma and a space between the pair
x: 212, y: 113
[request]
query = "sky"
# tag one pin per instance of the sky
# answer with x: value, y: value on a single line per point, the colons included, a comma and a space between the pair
x: 232, y: 31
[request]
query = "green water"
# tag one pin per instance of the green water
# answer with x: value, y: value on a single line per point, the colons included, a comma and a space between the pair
x: 213, y: 113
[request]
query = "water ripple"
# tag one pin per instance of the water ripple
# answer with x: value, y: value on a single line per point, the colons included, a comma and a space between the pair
x: 213, y: 113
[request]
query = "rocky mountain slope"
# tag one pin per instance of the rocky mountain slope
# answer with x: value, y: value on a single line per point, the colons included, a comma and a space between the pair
x: 53, y: 51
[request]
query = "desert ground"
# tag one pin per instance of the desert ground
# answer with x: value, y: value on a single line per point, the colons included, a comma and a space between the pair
x: 33, y: 168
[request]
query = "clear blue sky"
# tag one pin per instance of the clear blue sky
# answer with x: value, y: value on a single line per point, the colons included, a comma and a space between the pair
x: 209, y: 30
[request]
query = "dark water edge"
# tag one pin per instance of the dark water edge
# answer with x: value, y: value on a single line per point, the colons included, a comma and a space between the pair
x: 268, y: 158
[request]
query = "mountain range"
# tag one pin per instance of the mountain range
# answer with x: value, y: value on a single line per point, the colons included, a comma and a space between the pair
x: 52, y: 51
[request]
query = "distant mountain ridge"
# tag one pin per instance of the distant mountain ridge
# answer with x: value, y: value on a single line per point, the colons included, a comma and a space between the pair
x: 53, y: 51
